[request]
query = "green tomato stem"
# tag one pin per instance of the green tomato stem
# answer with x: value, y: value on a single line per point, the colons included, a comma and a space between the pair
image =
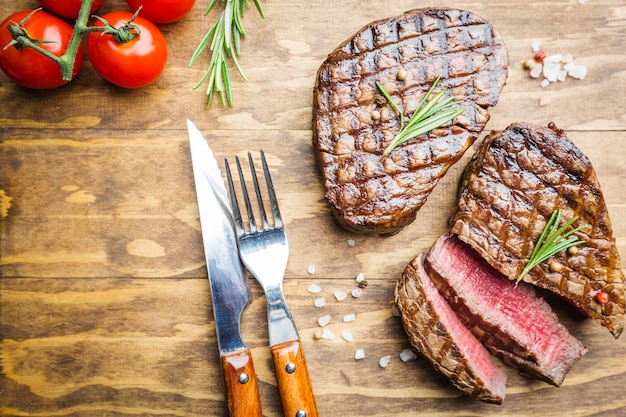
x: 81, y: 27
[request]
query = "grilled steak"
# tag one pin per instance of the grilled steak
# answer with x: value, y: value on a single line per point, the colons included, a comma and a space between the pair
x: 353, y: 122
x: 436, y: 332
x: 509, y: 190
x: 511, y: 321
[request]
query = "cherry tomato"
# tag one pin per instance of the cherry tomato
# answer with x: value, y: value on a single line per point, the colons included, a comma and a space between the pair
x: 162, y: 11
x: 28, y: 67
x: 67, y: 8
x: 132, y: 64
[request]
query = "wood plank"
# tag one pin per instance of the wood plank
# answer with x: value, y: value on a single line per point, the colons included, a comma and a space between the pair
x: 104, y: 302
x: 120, y: 347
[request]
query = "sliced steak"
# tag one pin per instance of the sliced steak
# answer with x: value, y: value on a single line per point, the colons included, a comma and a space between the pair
x: 512, y: 322
x: 353, y: 123
x: 508, y: 192
x: 436, y: 332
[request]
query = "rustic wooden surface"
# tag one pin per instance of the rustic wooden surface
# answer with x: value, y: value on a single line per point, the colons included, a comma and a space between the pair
x: 104, y: 303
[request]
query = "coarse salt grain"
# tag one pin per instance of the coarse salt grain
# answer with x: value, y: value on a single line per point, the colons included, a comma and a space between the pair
x: 351, y: 242
x: 576, y: 71
x: 551, y: 70
x: 327, y: 334
x: 314, y: 289
x: 324, y: 320
x: 320, y: 302
x: 339, y: 295
x: 544, y: 100
x: 356, y: 293
x: 395, y: 311
x: 535, y: 46
x: 384, y: 361
x: 545, y: 82
x: 407, y: 355
x: 311, y: 269
x: 359, y: 354
x: 360, y: 277
x: 347, y: 335
x: 349, y: 317
x: 535, y: 72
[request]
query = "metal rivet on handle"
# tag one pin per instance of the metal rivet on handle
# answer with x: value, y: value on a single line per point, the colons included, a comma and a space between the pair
x: 243, y: 378
x: 300, y: 413
x: 291, y: 368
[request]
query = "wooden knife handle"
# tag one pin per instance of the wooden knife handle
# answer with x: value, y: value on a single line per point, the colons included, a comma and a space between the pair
x: 242, y: 394
x: 294, y: 384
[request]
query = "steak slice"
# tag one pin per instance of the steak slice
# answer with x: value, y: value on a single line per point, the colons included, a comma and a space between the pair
x: 353, y: 122
x: 512, y: 322
x: 508, y: 192
x: 436, y: 332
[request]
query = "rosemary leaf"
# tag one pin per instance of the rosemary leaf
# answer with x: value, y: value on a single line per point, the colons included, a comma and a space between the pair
x: 223, y: 42
x: 431, y: 113
x: 553, y: 239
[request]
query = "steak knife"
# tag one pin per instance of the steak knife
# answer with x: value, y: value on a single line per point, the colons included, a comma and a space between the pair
x: 227, y: 279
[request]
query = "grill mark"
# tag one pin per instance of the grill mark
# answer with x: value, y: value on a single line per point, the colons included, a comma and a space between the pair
x: 346, y: 94
x: 597, y: 261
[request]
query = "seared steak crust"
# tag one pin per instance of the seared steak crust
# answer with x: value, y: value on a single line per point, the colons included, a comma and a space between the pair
x: 436, y: 332
x: 353, y: 122
x: 508, y: 192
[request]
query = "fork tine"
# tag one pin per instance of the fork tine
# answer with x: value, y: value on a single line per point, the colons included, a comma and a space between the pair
x: 246, y: 197
x: 233, y: 201
x: 278, y: 222
x: 257, y: 190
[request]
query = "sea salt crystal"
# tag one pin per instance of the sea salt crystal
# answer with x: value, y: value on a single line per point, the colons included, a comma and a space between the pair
x: 349, y: 317
x: 351, y: 242
x: 320, y: 302
x: 360, y: 277
x: 551, y: 70
x: 544, y: 100
x: 311, y: 269
x: 545, y: 82
x: 359, y: 354
x: 315, y: 289
x: 576, y: 71
x: 535, y: 72
x: 347, y: 335
x: 536, y: 45
x: 407, y: 355
x: 384, y: 361
x: 339, y: 295
x: 324, y: 320
x: 562, y: 75
x: 356, y: 293
x: 327, y: 334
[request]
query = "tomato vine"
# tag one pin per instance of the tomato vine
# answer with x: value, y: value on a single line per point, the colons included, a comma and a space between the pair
x: 21, y: 39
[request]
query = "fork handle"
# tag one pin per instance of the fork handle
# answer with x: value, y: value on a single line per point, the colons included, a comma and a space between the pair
x: 294, y: 384
x: 242, y: 394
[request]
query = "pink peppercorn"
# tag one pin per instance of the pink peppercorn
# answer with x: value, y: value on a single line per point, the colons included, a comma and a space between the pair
x: 540, y: 56
x: 602, y: 297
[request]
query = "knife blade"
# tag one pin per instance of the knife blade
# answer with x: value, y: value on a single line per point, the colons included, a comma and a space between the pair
x: 227, y: 278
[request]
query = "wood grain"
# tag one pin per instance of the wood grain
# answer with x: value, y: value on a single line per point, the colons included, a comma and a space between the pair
x: 104, y: 303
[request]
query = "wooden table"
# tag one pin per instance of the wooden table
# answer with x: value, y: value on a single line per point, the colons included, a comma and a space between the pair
x: 104, y: 300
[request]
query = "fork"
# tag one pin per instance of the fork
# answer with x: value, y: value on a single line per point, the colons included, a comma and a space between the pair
x: 264, y: 251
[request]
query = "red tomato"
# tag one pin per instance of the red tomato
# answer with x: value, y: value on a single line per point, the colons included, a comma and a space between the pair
x: 162, y: 11
x: 67, y: 8
x: 133, y: 64
x: 28, y: 67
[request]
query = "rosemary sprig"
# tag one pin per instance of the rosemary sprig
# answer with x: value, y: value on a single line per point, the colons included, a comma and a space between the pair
x: 431, y: 113
x: 224, y: 42
x: 552, y: 240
